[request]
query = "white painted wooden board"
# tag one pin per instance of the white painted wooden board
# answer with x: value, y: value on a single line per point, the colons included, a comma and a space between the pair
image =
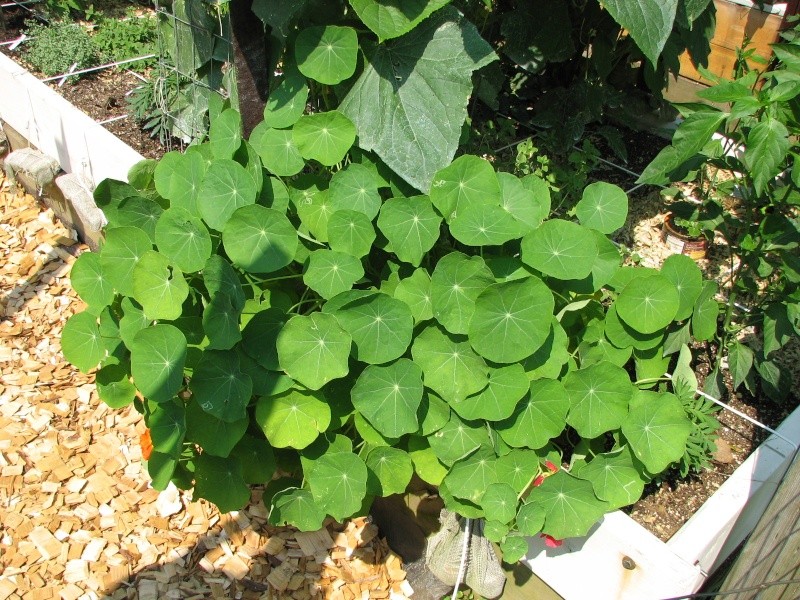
x: 60, y: 130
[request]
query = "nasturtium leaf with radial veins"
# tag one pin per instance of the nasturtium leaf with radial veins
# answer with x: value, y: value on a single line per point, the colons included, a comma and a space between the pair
x: 599, y: 396
x: 89, y: 282
x: 338, y: 483
x: 511, y: 320
x: 648, y: 304
x: 484, y: 225
x: 415, y: 291
x: 313, y: 349
x: 140, y: 212
x: 312, y: 202
x: 225, y: 133
x: 221, y: 322
x: 381, y: 327
x: 687, y: 278
x: 226, y: 186
x: 354, y: 188
x: 457, y: 439
x: 530, y: 518
x: 614, y: 477
x: 277, y: 150
x: 122, y: 249
x: 623, y: 335
x: 178, y: 177
x: 560, y: 249
x: 220, y: 387
x: 167, y: 425
x: 468, y: 180
x: 507, y: 385
x: 257, y: 458
x: 570, y: 505
x: 219, y: 276
x: 392, y: 469
x: 604, y: 267
x: 518, y: 468
x: 500, y: 501
x: 426, y: 463
x: 529, y: 205
x: 456, y: 282
x: 81, y: 342
x: 351, y: 232
x: 114, y: 386
x: 158, y: 354
x: 183, y: 239
x: 220, y: 480
x: 389, y: 396
x: 260, y: 335
x: 470, y: 477
x: 159, y: 287
x: 411, y: 226
x: 538, y: 418
x: 327, y: 54
x: 133, y: 320
x: 705, y: 312
x: 603, y: 206
x: 215, y: 436
x: 330, y: 273
x: 259, y: 240
x: 433, y: 413
x: 287, y: 102
x: 296, y: 507
x: 325, y: 137
x: 449, y: 365
x: 293, y: 419
x: 657, y: 429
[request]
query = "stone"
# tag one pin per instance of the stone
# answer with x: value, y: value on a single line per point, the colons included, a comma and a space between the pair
x: 31, y: 168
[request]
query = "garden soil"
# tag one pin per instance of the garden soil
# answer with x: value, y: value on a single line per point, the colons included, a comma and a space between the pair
x: 77, y: 517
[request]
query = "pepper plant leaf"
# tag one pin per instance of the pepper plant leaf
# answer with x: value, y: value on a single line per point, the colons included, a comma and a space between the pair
x: 705, y: 313
x: 765, y: 149
x: 313, y: 349
x: 389, y: 397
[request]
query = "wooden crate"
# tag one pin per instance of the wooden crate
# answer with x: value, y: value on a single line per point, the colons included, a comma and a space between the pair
x: 735, y: 24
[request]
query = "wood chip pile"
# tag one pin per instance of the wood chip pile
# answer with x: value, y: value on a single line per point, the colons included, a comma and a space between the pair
x: 77, y: 518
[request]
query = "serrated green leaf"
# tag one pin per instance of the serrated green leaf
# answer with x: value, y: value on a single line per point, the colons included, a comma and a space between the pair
x: 220, y: 480
x: 614, y: 477
x: 392, y: 19
x: 570, y: 505
x: 507, y: 385
x: 351, y: 232
x: 87, y: 278
x: 649, y: 22
x: 325, y: 137
x: 81, y: 342
x: 392, y: 469
x: 226, y: 186
x: 121, y: 251
x: 467, y: 181
x: 538, y: 418
x: 560, y: 249
x: 313, y: 349
x: 603, y: 206
x: 159, y: 287
x: 277, y: 150
x: 293, y: 419
x: 657, y: 429
x: 327, y: 54
x: 389, y: 397
x: 220, y: 387
x: 648, y: 304
x: 411, y: 226
x: 456, y: 282
x: 339, y: 483
x: 158, y: 354
x: 330, y: 273
x: 381, y: 327
x: 599, y: 395
x: 183, y: 239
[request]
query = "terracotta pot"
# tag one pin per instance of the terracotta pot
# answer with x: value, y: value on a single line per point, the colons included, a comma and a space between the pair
x: 680, y: 243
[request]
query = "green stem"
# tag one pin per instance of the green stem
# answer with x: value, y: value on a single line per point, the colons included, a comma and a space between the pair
x: 271, y: 279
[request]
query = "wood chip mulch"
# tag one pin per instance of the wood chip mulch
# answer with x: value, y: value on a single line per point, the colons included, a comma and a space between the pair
x: 78, y: 520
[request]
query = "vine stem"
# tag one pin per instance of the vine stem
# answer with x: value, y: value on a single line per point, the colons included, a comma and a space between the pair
x: 271, y: 279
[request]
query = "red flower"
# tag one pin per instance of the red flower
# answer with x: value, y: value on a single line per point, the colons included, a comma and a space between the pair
x: 550, y: 466
x: 538, y: 481
x: 550, y: 541
x: 146, y: 443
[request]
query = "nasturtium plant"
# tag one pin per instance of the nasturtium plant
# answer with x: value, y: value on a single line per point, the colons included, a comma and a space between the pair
x: 336, y: 331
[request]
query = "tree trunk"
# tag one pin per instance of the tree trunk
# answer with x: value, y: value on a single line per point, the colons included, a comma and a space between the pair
x: 251, y: 60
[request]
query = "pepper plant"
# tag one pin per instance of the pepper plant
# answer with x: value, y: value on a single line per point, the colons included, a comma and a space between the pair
x: 331, y: 335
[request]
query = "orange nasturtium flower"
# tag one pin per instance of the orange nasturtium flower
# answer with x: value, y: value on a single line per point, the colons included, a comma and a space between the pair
x: 146, y: 443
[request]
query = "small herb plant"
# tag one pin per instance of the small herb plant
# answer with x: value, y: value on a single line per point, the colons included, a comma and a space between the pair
x: 759, y: 154
x: 277, y: 305
x: 55, y: 48
x: 120, y: 39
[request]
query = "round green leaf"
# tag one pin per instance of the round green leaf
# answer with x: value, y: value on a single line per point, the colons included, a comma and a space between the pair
x: 468, y: 180
x: 296, y: 507
x: 260, y: 336
x: 415, y: 291
x: 484, y: 225
x: 604, y: 268
x: 220, y: 322
x: 527, y: 200
x: 469, y: 478
x: 215, y: 436
x: 121, y: 251
x: 178, y: 177
x: 549, y: 360
x: 274, y: 194
x: 81, y: 342
x: 159, y: 287
x: 183, y: 239
x: 657, y: 429
x: 277, y: 150
x: 314, y: 349
x: 599, y: 397
x: 114, y: 386
x: 603, y: 206
x: 648, y: 304
x: 510, y: 319
x: 351, y: 232
x: 133, y: 320
x: 381, y: 327
x: 339, y: 483
x: 433, y: 413
x: 247, y: 156
x: 287, y: 102
x: 411, y: 226
x: 329, y: 272
x: 293, y: 419
x: 259, y: 240
x: 705, y: 313
x: 167, y: 424
x: 140, y: 212
x: 426, y: 464
x: 456, y: 282
x: 499, y: 502
x: 530, y: 518
x: 389, y: 396
x: 514, y: 548
x: 354, y: 188
x: 687, y: 278
x: 392, y: 468
x: 507, y: 385
x: 458, y: 439
x: 540, y: 417
x: 449, y: 365
x: 257, y: 459
x: 312, y: 202
x: 220, y: 480
x: 158, y: 354
x: 219, y: 277
x: 327, y: 54
x: 560, y: 249
x: 220, y: 387
x: 325, y: 137
x: 614, y: 477
x: 88, y: 280
x: 570, y: 505
x: 225, y: 134
x: 622, y: 335
x: 518, y: 468
x: 161, y: 468
x: 226, y: 186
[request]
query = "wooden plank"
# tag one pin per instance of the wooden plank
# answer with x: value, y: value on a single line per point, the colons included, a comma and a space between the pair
x: 771, y: 553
